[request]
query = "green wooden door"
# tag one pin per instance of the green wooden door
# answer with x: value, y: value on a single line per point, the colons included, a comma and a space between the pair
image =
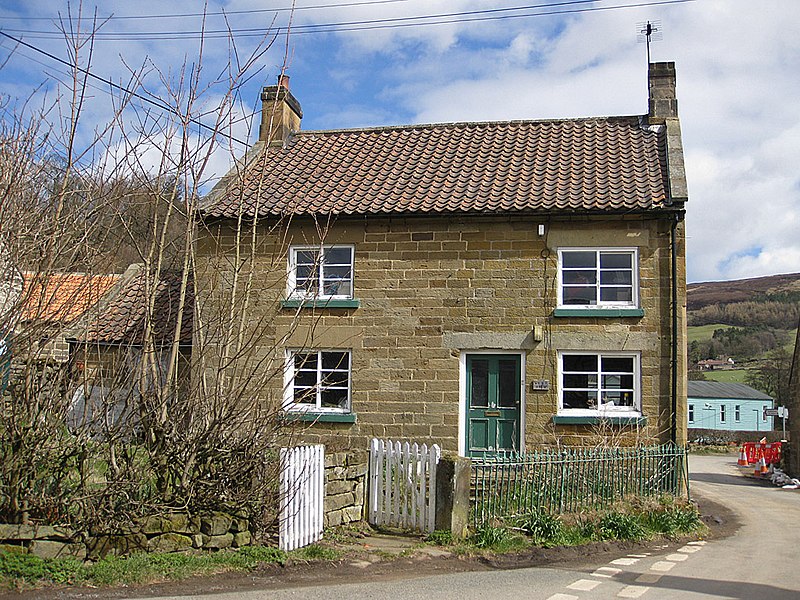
x: 493, y: 404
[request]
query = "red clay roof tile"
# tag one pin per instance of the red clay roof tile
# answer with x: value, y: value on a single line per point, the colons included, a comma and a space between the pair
x: 577, y: 165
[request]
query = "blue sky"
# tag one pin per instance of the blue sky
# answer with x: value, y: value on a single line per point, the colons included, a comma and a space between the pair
x: 737, y: 65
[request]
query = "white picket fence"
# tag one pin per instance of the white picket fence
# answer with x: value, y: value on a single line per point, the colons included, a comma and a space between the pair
x: 402, y: 484
x: 302, y: 494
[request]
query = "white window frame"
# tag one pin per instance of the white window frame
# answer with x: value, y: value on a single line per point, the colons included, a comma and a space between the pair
x: 691, y: 413
x: 723, y: 413
x: 604, y: 409
x: 737, y: 413
x: 599, y: 304
x: 289, y: 403
x: 292, y: 291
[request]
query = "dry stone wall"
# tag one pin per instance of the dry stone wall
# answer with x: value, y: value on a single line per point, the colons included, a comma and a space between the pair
x: 175, y: 532
x: 345, y: 487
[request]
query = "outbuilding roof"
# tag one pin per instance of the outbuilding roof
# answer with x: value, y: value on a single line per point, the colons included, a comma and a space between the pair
x: 123, y: 318
x: 613, y: 164
x: 716, y: 389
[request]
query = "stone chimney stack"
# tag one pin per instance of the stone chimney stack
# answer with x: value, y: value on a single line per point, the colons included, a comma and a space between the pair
x: 280, y: 112
x: 663, y: 101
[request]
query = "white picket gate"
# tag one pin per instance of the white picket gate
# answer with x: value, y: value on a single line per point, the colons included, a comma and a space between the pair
x: 302, y: 494
x: 402, y: 484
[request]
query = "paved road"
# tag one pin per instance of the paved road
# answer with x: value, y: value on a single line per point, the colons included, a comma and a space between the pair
x: 760, y: 562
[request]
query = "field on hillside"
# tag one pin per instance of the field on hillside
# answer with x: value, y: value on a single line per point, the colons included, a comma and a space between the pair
x: 702, y: 333
x: 731, y: 376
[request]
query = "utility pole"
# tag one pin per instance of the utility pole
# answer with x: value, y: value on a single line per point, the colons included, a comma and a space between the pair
x: 794, y: 410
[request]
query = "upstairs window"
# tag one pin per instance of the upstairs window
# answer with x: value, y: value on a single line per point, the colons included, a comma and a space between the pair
x: 596, y: 383
x: 318, y: 381
x: 321, y: 272
x: 598, y: 278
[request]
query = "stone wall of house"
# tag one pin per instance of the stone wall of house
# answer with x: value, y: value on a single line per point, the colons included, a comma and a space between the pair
x: 176, y: 532
x: 431, y: 289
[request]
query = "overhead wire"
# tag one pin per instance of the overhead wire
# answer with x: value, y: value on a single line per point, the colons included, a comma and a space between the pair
x: 544, y: 9
x: 370, y: 24
x: 157, y: 103
x: 113, y: 17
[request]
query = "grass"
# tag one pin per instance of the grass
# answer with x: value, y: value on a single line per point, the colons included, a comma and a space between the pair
x: 702, y: 333
x: 727, y: 376
x: 25, y: 570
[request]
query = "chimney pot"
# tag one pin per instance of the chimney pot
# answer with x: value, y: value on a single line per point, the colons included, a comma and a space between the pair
x: 283, y: 81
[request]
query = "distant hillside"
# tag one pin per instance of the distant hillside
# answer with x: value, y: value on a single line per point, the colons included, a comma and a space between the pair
x: 784, y: 288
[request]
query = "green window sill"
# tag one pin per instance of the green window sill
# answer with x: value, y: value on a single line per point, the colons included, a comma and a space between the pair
x: 599, y: 312
x: 322, y: 303
x: 310, y: 417
x: 595, y: 420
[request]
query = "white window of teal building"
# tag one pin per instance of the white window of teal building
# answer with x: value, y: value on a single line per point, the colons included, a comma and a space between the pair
x: 737, y: 413
x: 723, y: 413
x: 691, y: 413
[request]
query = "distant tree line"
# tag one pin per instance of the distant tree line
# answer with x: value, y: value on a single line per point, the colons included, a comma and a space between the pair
x: 774, y: 313
x: 738, y: 342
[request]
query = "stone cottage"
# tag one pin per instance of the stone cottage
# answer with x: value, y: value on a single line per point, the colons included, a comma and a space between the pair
x: 487, y: 286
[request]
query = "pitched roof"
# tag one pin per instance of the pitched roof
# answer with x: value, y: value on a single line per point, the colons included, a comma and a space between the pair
x: 716, y: 389
x: 62, y: 297
x: 575, y: 165
x: 122, y: 320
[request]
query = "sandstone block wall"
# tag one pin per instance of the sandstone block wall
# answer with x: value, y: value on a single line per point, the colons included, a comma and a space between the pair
x: 432, y: 289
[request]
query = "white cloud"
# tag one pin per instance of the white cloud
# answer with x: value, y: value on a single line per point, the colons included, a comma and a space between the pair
x: 737, y: 63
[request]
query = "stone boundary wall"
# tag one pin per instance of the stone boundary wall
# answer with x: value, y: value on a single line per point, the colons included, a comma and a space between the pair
x: 177, y: 532
x: 345, y: 487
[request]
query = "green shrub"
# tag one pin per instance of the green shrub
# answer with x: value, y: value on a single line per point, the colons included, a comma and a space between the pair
x: 619, y: 526
x: 496, y: 539
x: 544, y: 527
x: 673, y: 520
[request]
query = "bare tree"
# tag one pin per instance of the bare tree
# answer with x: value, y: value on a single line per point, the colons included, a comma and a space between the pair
x: 157, y: 406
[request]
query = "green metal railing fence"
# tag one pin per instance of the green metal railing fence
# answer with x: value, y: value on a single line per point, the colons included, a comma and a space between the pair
x: 568, y: 480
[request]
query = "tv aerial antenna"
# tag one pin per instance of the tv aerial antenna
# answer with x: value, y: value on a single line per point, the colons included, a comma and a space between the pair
x: 648, y: 31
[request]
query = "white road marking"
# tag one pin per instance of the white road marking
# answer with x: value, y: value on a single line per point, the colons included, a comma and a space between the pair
x: 632, y: 591
x: 677, y: 557
x: 584, y: 585
x: 645, y: 555
x: 649, y: 578
x: 607, y: 572
x: 700, y: 543
x: 662, y: 566
x: 625, y: 562
x: 562, y: 597
x: 690, y: 549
